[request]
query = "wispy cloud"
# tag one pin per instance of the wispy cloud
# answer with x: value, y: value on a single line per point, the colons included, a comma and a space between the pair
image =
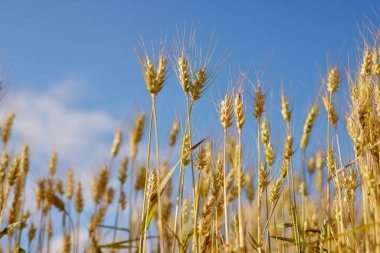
x: 55, y: 120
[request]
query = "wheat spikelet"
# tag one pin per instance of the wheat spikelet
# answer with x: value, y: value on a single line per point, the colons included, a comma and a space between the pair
x: 376, y: 70
x: 201, y: 159
x: 116, y: 143
x: 78, y: 198
x: 185, y: 148
x: 204, y: 223
x: 25, y: 159
x: 58, y: 186
x: 225, y: 113
x: 333, y: 80
x: 183, y: 70
x: 140, y: 181
x: 7, y: 128
x: 154, y: 79
x: 40, y: 193
x: 70, y: 184
x: 331, y: 112
x: 275, y: 192
x: 109, y: 195
x: 366, y: 65
x: 311, y: 165
x: 123, y: 170
x: 285, y: 111
x: 249, y: 186
x: 49, y: 230
x: 53, y: 164
x: 309, y: 123
x: 161, y: 72
x: 122, y: 200
x: 269, y: 154
x: 198, y: 86
x: 330, y: 162
x: 152, y: 187
x: 174, y: 133
x: 5, y: 161
x: 258, y: 103
x: 206, y: 243
x: 239, y: 110
x: 262, y: 178
x: 55, y: 201
x: 185, y: 210
x: 137, y: 134
x: 31, y: 233
x: 13, y: 171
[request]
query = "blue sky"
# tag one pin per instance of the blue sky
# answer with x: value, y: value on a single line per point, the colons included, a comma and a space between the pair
x: 47, y: 43
x: 73, y: 78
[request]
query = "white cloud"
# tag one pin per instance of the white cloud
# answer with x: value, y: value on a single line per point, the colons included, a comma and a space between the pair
x: 54, y: 120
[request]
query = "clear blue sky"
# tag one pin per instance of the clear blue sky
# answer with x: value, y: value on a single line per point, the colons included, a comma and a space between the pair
x: 45, y: 42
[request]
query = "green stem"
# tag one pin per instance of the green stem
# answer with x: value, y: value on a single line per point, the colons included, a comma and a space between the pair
x: 144, y: 211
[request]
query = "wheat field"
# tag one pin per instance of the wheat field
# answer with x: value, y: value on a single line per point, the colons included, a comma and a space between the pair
x: 202, y: 196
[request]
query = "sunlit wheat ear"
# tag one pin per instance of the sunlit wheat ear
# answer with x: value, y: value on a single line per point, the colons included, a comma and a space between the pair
x: 25, y: 217
x: 13, y: 171
x: 66, y: 244
x: 258, y: 103
x: 239, y: 110
x: 225, y: 112
x: 248, y: 183
x: 265, y: 132
x: 58, y: 186
x: 366, y: 68
x: 333, y: 80
x: 311, y: 165
x: 25, y: 159
x: 5, y: 162
x: 97, y: 218
x: 78, y: 198
x: 285, y: 111
x: 185, y: 210
x: 7, y: 128
x: 183, y: 73
x: 375, y: 63
x: 199, y: 84
x: 123, y: 170
x: 309, y: 123
x: 331, y: 112
x: 140, y: 181
x: 53, y: 164
x: 137, y: 134
x: 263, y: 179
x: 109, y: 195
x: 152, y: 187
x: 122, y: 200
x: 99, y: 184
x: 206, y: 243
x: 40, y: 192
x: 49, y: 229
x: 275, y: 191
x: 174, y: 133
x: 185, y: 148
x: 204, y: 223
x: 330, y: 161
x: 154, y: 76
x: 201, y: 159
x: 55, y: 201
x: 116, y: 143
x: 31, y: 233
x: 287, y: 155
x: 70, y: 184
